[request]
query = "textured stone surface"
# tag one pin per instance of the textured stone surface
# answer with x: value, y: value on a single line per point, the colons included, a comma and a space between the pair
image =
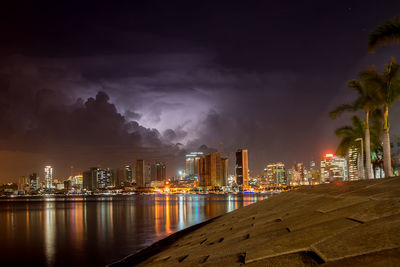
x: 354, y: 223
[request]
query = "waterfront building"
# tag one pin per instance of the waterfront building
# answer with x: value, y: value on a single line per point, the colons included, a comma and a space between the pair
x: 242, y: 167
x: 140, y: 178
x: 212, y: 170
x: 275, y: 174
x: 333, y: 168
x: 48, y: 176
x: 192, y: 164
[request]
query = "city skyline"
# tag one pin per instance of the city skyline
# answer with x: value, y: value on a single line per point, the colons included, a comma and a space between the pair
x: 105, y: 92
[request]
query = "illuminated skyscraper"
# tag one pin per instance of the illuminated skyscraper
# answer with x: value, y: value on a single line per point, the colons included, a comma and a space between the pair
x: 333, y: 168
x: 242, y: 167
x: 97, y: 178
x: 192, y: 164
x: 213, y: 170
x: 48, y: 176
x: 275, y: 174
x: 298, y: 174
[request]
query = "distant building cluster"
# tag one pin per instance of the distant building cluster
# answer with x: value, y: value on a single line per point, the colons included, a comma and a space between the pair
x: 204, y: 173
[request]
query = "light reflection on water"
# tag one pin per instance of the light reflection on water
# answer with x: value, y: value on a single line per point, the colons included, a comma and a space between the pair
x: 87, y: 231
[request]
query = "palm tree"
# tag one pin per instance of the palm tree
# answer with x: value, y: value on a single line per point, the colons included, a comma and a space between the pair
x: 387, y: 32
x: 368, y: 100
x: 388, y: 87
x: 350, y: 135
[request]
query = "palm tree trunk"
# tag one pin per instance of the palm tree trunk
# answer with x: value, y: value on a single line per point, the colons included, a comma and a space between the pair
x: 374, y: 170
x: 367, y: 149
x: 387, y: 161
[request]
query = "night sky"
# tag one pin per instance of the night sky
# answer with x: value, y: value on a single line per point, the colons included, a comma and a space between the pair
x: 101, y: 84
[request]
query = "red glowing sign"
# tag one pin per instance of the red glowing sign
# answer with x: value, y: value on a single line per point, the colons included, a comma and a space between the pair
x: 328, y: 155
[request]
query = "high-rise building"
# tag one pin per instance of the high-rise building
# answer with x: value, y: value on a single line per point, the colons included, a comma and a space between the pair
x: 161, y: 171
x: 353, y: 156
x: 289, y: 176
x: 314, y: 176
x: 225, y: 171
x: 119, y: 177
x: 192, y: 164
x: 104, y: 178
x: 147, y: 174
x: 128, y: 174
x: 48, y: 176
x: 77, y: 181
x: 242, y: 167
x: 276, y: 174
x: 97, y: 178
x: 212, y: 170
x: 33, y: 182
x: 140, y: 175
x: 23, y: 182
x: 333, y: 168
x: 90, y: 179
x: 298, y: 174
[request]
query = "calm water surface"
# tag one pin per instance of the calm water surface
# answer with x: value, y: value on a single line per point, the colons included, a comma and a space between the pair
x: 96, y: 231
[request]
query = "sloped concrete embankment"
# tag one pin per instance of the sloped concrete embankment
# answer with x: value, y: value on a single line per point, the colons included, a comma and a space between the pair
x: 354, y: 223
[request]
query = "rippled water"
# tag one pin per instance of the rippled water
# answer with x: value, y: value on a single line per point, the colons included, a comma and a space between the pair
x: 96, y: 231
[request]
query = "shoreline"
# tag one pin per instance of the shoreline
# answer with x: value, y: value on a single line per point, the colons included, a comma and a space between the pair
x: 351, y: 223
x: 158, y: 246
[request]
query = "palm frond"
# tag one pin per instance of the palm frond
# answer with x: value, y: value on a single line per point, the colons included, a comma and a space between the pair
x: 341, y: 109
x: 385, y: 33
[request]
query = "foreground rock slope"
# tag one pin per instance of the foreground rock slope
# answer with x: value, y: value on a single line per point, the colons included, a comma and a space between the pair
x: 354, y: 223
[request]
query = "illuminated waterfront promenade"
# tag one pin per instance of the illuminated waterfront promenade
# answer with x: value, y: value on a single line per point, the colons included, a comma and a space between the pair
x: 354, y: 223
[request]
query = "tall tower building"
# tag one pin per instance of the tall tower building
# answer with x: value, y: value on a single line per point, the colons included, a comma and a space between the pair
x: 161, y: 171
x: 192, y: 164
x: 225, y: 171
x: 213, y: 170
x: 242, y: 167
x: 128, y: 174
x: 33, y: 182
x: 275, y: 174
x: 140, y: 175
x: 90, y: 178
x: 147, y: 174
x: 48, y: 176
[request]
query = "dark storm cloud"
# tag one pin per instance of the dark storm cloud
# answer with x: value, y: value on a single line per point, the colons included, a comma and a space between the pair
x: 257, y: 75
